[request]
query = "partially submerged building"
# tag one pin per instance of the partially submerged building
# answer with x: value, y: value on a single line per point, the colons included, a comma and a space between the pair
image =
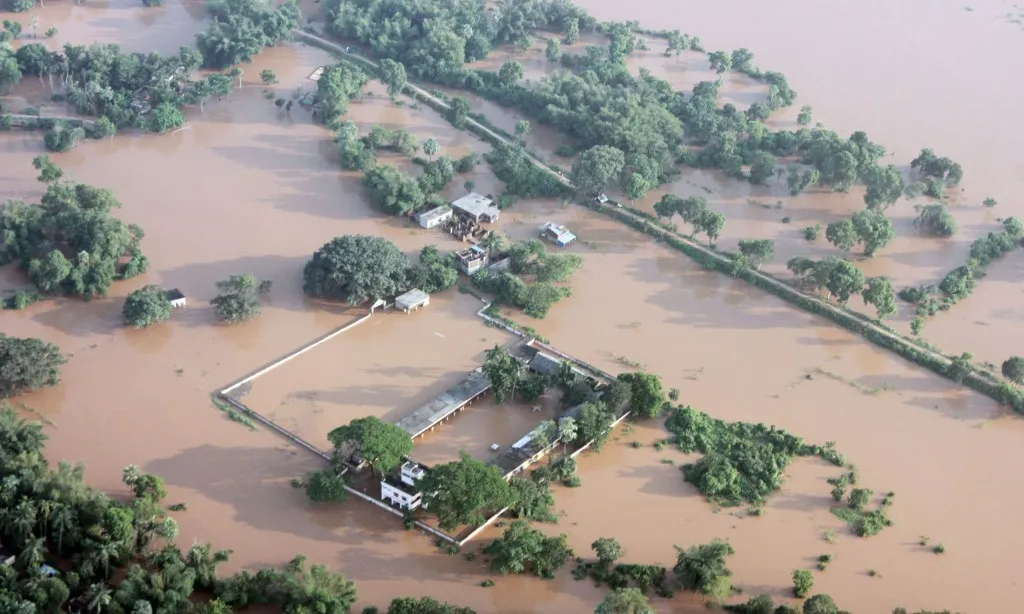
x: 412, y: 300
x: 177, y: 298
x: 471, y: 260
x: 476, y: 207
x: 435, y: 216
x: 400, y: 490
x: 557, y: 233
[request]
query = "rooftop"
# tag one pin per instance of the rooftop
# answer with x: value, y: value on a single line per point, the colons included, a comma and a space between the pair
x: 445, y: 404
x: 560, y: 232
x: 174, y: 294
x: 471, y: 254
x: 412, y: 297
x: 476, y: 205
x: 545, y: 363
x: 434, y: 213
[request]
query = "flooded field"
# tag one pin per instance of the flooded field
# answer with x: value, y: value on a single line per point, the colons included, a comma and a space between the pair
x: 385, y: 367
x: 485, y: 423
x: 250, y: 188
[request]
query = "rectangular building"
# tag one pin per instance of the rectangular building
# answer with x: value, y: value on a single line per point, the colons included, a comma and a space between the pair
x: 434, y: 217
x: 401, y: 490
x: 471, y: 260
x: 557, y: 233
x: 412, y: 300
x: 476, y: 207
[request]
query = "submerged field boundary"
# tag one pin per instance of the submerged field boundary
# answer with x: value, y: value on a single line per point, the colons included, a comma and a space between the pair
x: 980, y: 381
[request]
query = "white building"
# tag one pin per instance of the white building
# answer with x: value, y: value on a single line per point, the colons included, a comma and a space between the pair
x: 402, y: 492
x: 176, y: 297
x: 435, y: 217
x: 477, y: 207
x: 412, y: 300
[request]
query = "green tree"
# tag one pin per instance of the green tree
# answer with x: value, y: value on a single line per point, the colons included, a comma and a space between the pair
x: 522, y: 128
x: 803, y: 582
x: 239, y: 298
x: 572, y: 30
x: 703, y: 569
x: 884, y: 186
x: 503, y: 372
x: 423, y: 605
x: 594, y: 424
x: 430, y: 147
x: 1013, y: 369
x: 804, y: 117
x: 393, y: 76
x: 27, y: 365
x: 523, y: 549
x: 1013, y: 227
x: 510, y: 72
x: 667, y: 206
x: 392, y: 190
x: 636, y: 187
x: 458, y: 493
x: 711, y: 223
x: 820, y: 604
x: 339, y: 84
x: 268, y: 76
x: 33, y: 59
x: 458, y: 112
x: 531, y: 499
x: 842, y: 234
x: 624, y: 601
x: 568, y: 429
x: 241, y: 28
x: 146, y: 306
x: 721, y: 62
x: 597, y: 168
x: 165, y: 117
x: 356, y: 269
x: 608, y: 550
x: 873, y: 229
x: 757, y: 251
x: 383, y: 445
x: 936, y: 220
x: 647, y: 397
x: 325, y: 486
x: 840, y: 277
x: 62, y: 136
x: 10, y: 73
x: 763, y: 168
x: 48, y: 171
x: 553, y: 51
x: 881, y: 295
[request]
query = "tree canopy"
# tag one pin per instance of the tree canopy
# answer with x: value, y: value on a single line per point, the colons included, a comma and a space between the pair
x: 459, y: 492
x: 703, y: 569
x: 239, y: 298
x: 624, y: 601
x: 27, y: 365
x: 503, y: 372
x: 1013, y: 369
x: 646, y: 393
x: 242, y: 28
x: 146, y: 306
x: 383, y: 445
x: 356, y: 269
x: 70, y: 243
x: 523, y: 549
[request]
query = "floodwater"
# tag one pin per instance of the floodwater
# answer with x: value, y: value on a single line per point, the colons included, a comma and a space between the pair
x: 264, y: 191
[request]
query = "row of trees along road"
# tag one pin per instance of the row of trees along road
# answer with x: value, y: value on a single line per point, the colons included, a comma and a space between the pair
x: 103, y: 82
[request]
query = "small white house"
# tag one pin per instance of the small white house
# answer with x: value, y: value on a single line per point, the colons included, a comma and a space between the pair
x: 435, y: 217
x: 402, y: 492
x: 477, y: 207
x: 177, y: 298
x: 557, y: 233
x: 412, y: 300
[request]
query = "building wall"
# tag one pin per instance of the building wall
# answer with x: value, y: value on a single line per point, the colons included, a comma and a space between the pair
x: 396, y: 496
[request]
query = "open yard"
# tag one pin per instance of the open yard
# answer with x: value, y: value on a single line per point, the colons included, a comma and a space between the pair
x: 385, y: 367
x: 478, y: 426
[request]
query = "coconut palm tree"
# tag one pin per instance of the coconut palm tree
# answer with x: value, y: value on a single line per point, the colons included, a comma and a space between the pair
x: 63, y: 521
x: 98, y: 597
x: 33, y: 555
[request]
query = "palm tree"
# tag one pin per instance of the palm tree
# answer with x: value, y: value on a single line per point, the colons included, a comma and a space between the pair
x: 204, y: 561
x: 492, y: 242
x: 566, y: 431
x: 99, y: 596
x: 101, y: 554
x: 63, y: 521
x: 24, y: 520
x: 33, y: 555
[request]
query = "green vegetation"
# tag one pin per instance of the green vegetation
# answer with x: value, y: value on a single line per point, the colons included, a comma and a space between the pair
x: 459, y: 493
x: 624, y: 601
x: 242, y: 28
x: 935, y: 220
x: 542, y: 270
x: 381, y: 444
x: 703, y: 569
x: 532, y: 498
x: 146, y: 306
x: 864, y: 522
x: 239, y: 298
x: 422, y: 605
x: 503, y: 371
x: 524, y: 550
x: 27, y: 365
x: 647, y: 396
x: 1013, y: 369
x: 121, y: 553
x: 69, y: 243
x: 742, y: 463
x: 803, y: 582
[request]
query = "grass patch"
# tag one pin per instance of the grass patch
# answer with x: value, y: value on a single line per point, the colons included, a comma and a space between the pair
x: 233, y: 414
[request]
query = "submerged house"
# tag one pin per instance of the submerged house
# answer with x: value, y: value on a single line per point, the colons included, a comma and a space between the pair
x: 471, y: 260
x: 557, y: 233
x: 177, y: 298
x: 412, y: 300
x: 400, y: 490
x: 434, y: 217
x: 477, y: 208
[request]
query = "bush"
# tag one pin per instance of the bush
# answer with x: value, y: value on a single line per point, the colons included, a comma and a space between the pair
x: 62, y: 137
x: 935, y: 220
x: 803, y: 582
x: 146, y: 306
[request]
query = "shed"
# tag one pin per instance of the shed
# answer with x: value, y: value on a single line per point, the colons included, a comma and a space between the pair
x: 176, y: 297
x: 434, y: 217
x: 471, y: 260
x: 476, y: 207
x: 412, y: 300
x: 557, y: 233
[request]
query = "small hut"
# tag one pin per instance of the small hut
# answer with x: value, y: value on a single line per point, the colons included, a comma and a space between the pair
x: 177, y: 298
x: 412, y: 300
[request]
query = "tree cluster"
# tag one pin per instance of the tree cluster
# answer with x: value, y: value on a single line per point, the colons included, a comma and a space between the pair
x: 459, y: 493
x: 146, y: 306
x: 239, y: 298
x: 694, y: 211
x: 70, y: 243
x: 524, y: 550
x: 339, y: 84
x: 522, y: 178
x: 242, y: 28
x: 538, y: 292
x: 742, y: 462
x: 382, y: 445
x: 118, y: 556
x: 868, y: 227
x: 27, y: 365
x: 842, y: 279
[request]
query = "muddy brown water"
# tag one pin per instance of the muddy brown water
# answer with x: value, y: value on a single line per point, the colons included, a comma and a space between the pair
x: 249, y: 188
